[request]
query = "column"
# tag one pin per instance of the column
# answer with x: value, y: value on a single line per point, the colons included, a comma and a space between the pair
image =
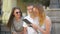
x: 54, y: 4
x: 6, y: 8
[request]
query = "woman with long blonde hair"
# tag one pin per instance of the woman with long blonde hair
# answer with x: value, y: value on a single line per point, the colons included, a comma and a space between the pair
x: 44, y: 21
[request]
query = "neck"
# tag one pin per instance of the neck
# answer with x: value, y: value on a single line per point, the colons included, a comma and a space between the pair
x: 17, y: 19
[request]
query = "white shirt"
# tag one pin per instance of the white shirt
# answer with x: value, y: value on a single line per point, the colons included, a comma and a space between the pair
x: 30, y: 30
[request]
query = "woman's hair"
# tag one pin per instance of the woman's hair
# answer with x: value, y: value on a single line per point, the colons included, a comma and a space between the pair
x: 10, y: 21
x: 41, y: 13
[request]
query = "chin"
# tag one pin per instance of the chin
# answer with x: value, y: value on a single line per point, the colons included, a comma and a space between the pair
x: 18, y: 16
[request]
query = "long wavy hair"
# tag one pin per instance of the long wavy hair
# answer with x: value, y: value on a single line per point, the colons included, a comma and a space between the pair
x: 10, y: 21
x: 41, y: 14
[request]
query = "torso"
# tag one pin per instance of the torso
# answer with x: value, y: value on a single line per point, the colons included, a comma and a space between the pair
x: 30, y: 29
x: 34, y: 21
x: 18, y: 26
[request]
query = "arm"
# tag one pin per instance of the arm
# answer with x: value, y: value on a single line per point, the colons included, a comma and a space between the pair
x: 25, y: 30
x: 25, y: 27
x: 48, y: 26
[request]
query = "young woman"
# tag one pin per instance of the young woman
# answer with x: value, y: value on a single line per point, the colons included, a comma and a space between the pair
x: 15, y: 22
x: 43, y: 25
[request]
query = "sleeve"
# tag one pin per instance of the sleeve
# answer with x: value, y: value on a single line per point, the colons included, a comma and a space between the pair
x: 24, y: 24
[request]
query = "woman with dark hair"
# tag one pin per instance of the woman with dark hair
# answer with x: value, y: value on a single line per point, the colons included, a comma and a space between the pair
x: 15, y: 22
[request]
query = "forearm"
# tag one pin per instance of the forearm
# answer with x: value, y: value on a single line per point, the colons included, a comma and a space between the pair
x: 41, y: 30
x: 44, y: 31
x: 25, y: 30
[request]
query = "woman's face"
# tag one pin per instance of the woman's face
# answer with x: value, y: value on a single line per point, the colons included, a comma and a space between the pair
x: 17, y: 13
x: 35, y: 11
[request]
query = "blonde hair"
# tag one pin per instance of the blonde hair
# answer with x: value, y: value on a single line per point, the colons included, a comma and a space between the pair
x: 41, y: 14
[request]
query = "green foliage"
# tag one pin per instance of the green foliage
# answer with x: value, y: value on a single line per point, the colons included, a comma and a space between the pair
x: 43, y: 2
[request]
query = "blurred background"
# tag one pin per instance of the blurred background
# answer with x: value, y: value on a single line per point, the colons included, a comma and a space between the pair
x: 51, y: 8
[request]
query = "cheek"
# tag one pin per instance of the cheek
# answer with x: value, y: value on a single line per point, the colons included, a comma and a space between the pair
x: 18, y: 14
x: 14, y: 14
x: 34, y: 10
x: 37, y: 11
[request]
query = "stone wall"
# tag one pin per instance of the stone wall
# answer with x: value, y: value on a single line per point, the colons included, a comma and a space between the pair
x: 54, y: 14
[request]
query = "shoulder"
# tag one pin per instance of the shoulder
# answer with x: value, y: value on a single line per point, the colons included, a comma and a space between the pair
x: 48, y: 20
x: 47, y: 17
